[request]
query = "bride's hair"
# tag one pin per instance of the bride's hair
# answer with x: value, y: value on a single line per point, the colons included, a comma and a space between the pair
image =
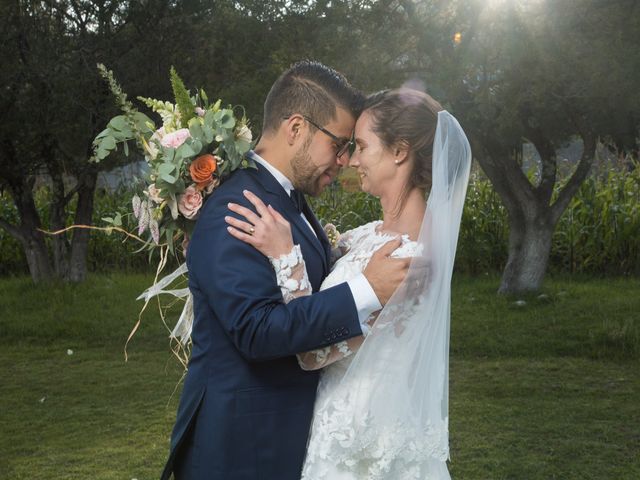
x: 407, y: 116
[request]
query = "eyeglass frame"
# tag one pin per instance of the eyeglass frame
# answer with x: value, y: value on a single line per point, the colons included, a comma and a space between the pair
x: 348, y: 144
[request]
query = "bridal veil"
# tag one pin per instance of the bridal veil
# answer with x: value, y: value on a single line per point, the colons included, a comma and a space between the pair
x: 393, y: 400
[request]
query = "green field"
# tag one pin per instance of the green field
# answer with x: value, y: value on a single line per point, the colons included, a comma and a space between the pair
x: 544, y: 390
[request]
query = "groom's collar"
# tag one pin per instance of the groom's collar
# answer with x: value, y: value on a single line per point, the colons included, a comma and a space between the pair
x: 277, y: 174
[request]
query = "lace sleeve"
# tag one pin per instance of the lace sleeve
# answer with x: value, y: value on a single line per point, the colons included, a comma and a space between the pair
x: 291, y: 274
x: 293, y: 280
x: 320, y: 358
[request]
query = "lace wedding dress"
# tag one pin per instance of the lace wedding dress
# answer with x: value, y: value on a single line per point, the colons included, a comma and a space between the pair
x: 341, y: 447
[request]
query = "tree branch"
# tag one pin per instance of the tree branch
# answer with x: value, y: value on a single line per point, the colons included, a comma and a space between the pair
x: 546, y: 151
x: 580, y: 174
x: 12, y: 230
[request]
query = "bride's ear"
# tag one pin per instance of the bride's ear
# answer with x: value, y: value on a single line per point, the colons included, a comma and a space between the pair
x: 400, y: 152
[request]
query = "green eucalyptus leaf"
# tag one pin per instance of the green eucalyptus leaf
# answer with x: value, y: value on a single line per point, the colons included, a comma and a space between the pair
x: 166, y: 168
x: 210, y: 118
x: 168, y: 178
x: 242, y: 145
x: 185, y: 151
x: 102, y: 134
x: 169, y: 235
x: 168, y: 154
x: 143, y: 123
x: 119, y: 123
x: 107, y: 144
x: 227, y: 120
x: 196, y: 132
x: 196, y: 146
x: 207, y: 133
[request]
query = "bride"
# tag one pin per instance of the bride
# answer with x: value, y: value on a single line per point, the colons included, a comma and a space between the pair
x: 381, y: 410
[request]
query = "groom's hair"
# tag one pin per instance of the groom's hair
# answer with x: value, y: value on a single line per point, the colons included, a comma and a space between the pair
x: 309, y: 88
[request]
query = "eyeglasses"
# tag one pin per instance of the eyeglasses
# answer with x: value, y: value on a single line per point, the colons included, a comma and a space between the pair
x: 342, y: 143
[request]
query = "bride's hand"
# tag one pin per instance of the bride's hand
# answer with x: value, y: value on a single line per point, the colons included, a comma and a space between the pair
x: 267, y: 231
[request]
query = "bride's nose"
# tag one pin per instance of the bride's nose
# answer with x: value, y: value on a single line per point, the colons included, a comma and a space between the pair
x: 353, y: 160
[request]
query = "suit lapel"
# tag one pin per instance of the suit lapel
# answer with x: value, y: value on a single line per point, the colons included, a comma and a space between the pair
x: 321, y: 235
x: 281, y: 201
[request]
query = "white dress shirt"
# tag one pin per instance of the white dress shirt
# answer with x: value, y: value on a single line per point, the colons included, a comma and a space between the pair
x: 365, y: 298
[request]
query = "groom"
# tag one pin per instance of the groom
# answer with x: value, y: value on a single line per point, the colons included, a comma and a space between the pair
x: 246, y: 406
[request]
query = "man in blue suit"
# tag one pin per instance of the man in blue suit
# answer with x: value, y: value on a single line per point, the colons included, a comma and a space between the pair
x: 246, y: 406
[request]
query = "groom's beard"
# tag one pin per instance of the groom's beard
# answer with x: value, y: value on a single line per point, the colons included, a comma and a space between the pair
x: 305, y: 174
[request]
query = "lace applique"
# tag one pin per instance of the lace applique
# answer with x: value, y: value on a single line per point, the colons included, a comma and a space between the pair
x: 293, y: 280
x: 344, y: 441
x: 322, y: 357
x: 291, y: 274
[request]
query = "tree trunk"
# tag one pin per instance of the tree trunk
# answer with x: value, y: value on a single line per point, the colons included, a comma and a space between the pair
x: 35, y: 251
x: 29, y: 234
x: 532, y: 214
x: 57, y: 221
x: 84, y: 214
x: 529, y: 248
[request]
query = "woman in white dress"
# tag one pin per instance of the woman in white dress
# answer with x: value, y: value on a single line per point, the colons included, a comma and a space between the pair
x: 381, y: 411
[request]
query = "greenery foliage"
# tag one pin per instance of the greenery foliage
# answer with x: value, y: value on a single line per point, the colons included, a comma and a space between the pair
x: 600, y: 231
x: 598, y: 234
x: 107, y: 252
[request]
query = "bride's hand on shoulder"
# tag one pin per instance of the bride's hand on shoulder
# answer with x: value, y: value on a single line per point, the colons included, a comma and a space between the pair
x: 267, y: 231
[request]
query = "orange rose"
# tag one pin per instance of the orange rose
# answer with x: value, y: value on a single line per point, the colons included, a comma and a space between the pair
x: 202, y: 170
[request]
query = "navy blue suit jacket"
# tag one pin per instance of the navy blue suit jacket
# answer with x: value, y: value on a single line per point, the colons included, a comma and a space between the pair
x: 246, y: 406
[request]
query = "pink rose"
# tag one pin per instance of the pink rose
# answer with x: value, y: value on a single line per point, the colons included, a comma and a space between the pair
x: 189, y: 202
x: 175, y: 139
x: 200, y: 111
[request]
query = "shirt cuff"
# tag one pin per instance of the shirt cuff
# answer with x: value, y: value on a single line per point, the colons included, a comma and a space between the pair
x: 365, y: 298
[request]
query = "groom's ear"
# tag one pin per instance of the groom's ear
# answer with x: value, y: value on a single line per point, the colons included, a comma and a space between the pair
x: 294, y: 128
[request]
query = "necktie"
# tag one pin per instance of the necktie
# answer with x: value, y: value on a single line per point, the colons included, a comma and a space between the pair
x: 298, y: 199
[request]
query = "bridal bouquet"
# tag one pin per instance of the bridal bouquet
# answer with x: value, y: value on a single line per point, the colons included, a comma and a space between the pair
x: 194, y: 148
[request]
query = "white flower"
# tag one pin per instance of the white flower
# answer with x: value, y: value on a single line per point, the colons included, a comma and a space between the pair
x: 69, y: 352
x: 245, y: 134
x: 152, y: 145
x: 154, y: 193
x: 173, y: 206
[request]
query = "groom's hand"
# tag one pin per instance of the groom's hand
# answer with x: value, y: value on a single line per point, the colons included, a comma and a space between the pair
x: 384, y: 272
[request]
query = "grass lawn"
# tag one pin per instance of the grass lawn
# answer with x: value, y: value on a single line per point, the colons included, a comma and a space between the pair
x: 545, y: 390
